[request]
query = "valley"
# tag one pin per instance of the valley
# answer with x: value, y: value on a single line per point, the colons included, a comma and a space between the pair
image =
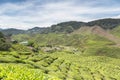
x: 66, y: 51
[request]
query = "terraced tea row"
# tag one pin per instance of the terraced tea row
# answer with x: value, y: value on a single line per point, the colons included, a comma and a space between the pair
x: 67, y: 67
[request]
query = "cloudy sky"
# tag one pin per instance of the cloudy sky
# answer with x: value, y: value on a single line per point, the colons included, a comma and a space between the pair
x: 25, y: 14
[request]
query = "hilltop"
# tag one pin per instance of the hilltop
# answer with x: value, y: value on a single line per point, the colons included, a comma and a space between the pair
x: 66, y: 27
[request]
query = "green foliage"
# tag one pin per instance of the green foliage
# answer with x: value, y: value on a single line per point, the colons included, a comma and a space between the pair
x: 14, y: 42
x: 1, y: 35
x: 31, y: 43
x: 62, y: 64
x: 105, y: 23
x: 75, y: 40
x: 20, y: 48
x: 69, y: 29
x: 4, y: 46
x: 21, y: 37
x: 12, y: 31
x: 67, y: 56
x: 11, y: 72
x: 116, y: 31
x: 103, y: 51
x: 66, y: 27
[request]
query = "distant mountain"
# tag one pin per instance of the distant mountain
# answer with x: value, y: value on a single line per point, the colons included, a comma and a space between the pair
x: 70, y: 26
x: 36, y: 30
x: 107, y: 23
x: 1, y: 29
x: 12, y: 31
x: 29, y: 31
x: 66, y: 27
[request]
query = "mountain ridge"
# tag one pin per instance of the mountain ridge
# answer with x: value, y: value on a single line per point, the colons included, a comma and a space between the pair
x: 66, y: 27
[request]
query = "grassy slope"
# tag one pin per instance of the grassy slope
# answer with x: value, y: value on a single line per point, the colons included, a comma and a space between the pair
x: 83, y: 56
x: 18, y: 72
x: 65, y: 39
x: 116, y: 31
x: 62, y: 64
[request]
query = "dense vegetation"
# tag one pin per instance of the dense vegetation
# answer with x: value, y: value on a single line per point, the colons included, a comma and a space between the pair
x: 72, y: 56
x: 4, y: 45
x: 116, y: 31
x: 65, y: 65
x: 18, y: 72
x: 62, y: 52
x: 105, y: 23
x: 66, y: 27
x: 12, y: 31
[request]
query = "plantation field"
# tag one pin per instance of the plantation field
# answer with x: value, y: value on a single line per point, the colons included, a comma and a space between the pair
x: 18, y: 72
x: 65, y: 66
x: 60, y: 57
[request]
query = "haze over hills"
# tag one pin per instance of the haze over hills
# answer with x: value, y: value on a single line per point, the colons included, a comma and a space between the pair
x: 67, y: 27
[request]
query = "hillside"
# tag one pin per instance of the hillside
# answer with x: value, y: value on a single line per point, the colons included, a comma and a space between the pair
x: 107, y: 23
x: 36, y: 30
x: 64, y: 65
x: 101, y: 32
x: 116, y: 31
x: 12, y: 31
x: 63, y: 56
x: 67, y: 27
x: 98, y: 31
x: 65, y: 51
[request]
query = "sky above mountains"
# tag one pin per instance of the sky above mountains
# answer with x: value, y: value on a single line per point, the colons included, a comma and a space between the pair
x: 24, y: 14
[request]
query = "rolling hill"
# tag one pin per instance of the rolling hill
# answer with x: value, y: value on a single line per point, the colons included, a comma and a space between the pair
x: 98, y: 31
x: 107, y: 23
x: 67, y: 27
x: 65, y: 51
x: 12, y: 31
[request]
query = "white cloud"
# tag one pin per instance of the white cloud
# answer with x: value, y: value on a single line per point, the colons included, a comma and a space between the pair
x: 31, y: 13
x: 118, y: 16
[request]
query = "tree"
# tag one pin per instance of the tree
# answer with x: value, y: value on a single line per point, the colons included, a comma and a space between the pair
x: 31, y: 43
x: 4, y: 46
x: 69, y: 29
x: 1, y: 35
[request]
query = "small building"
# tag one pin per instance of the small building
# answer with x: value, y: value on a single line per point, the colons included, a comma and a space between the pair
x: 24, y: 42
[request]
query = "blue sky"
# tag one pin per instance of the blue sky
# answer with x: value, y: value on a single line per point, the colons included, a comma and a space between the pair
x: 25, y: 14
